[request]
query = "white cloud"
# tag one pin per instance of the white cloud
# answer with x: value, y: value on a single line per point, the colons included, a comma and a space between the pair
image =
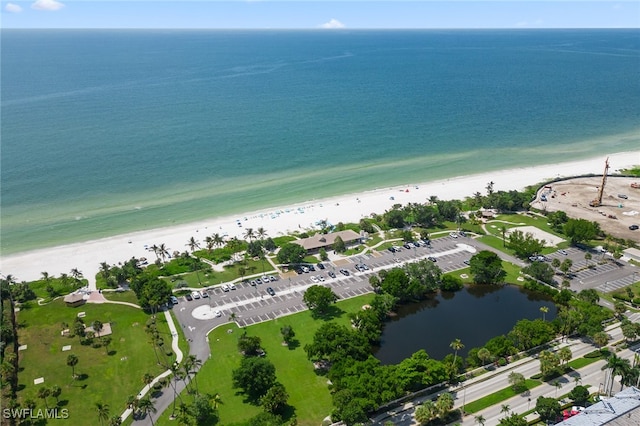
x: 50, y: 5
x: 13, y: 8
x: 333, y: 23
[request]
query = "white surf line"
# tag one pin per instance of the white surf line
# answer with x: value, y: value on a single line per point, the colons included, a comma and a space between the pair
x: 300, y: 288
x: 176, y: 349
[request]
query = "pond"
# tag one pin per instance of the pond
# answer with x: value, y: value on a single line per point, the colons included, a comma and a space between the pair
x: 474, y: 315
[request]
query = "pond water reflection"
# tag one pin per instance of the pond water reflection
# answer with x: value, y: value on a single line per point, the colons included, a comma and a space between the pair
x: 474, y: 315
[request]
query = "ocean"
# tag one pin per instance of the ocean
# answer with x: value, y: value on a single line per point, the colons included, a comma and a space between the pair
x: 109, y: 131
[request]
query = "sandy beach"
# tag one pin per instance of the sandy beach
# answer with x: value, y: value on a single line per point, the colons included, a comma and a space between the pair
x: 87, y: 256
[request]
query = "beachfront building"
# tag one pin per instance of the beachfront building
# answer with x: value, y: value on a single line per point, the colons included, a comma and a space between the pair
x: 623, y: 409
x: 325, y: 241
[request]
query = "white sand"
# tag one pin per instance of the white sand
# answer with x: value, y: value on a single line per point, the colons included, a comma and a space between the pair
x: 87, y: 256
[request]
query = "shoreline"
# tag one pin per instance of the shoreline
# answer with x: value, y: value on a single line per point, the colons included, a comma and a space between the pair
x: 87, y: 256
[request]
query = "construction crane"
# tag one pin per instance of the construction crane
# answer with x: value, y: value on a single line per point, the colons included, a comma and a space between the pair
x: 598, y: 201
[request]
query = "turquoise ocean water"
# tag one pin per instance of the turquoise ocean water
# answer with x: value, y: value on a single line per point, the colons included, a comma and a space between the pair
x: 105, y: 132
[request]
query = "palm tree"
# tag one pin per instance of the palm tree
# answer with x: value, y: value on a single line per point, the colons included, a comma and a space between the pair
x: 103, y: 411
x: 72, y: 361
x: 156, y: 250
x: 184, y: 414
x: 77, y: 275
x: 456, y: 345
x: 193, y: 364
x: 504, y: 409
x: 587, y: 258
x: 147, y: 379
x: 193, y: 244
x: 261, y: 233
x: 558, y: 385
x: 115, y: 421
x: 250, y: 234
x: 544, y: 310
x: 106, y: 341
x: 163, y: 251
x: 45, y: 276
x: 484, y: 355
x: 55, y: 392
x: 218, y: 240
x: 480, y: 420
x: 209, y: 243
x: 616, y: 366
x: 146, y: 406
x: 503, y: 230
x: 43, y: 393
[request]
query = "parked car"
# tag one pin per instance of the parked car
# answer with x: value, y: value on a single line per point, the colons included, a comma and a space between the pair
x: 272, y: 278
x: 320, y: 265
x: 344, y: 272
x: 633, y: 227
x: 225, y: 288
x: 271, y: 291
x: 453, y: 234
x: 391, y: 249
x: 564, y: 252
x: 217, y: 314
x: 174, y: 300
x: 204, y: 294
x: 433, y: 259
x: 312, y: 268
x: 232, y: 286
x: 331, y: 274
x: 321, y: 278
x: 195, y: 295
x: 253, y: 283
x: 623, y: 196
x: 188, y: 297
x: 258, y: 281
x: 466, y: 262
x: 314, y: 279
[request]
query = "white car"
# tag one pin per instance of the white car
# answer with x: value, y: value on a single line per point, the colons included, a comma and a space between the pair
x: 453, y: 235
x: 232, y: 286
x: 217, y: 314
x: 195, y: 294
x: 314, y: 279
x: 225, y: 287
x: 321, y: 278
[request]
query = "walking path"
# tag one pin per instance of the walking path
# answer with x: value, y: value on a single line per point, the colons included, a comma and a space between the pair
x: 176, y: 350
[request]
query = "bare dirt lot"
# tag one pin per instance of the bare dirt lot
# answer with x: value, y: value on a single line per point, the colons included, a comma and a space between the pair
x: 614, y: 215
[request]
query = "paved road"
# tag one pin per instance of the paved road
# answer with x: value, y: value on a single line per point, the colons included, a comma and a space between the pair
x: 492, y: 381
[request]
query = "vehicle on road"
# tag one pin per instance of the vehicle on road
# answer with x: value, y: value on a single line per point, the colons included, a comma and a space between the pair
x: 217, y: 314
x: 271, y: 291
x: 633, y: 227
x: 623, y: 196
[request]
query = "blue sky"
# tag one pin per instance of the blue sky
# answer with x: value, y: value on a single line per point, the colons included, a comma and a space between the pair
x: 306, y: 14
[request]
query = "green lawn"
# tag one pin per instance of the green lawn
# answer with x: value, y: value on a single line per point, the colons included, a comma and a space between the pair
x: 497, y: 397
x: 124, y: 296
x: 578, y: 363
x: 105, y: 378
x: 309, y: 394
x: 230, y: 273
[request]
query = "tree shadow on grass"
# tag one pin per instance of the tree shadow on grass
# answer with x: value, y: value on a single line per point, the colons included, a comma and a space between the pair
x: 63, y: 403
x: 112, y: 353
x: 288, y: 413
x: 293, y: 344
x: 82, y: 377
x: 330, y: 314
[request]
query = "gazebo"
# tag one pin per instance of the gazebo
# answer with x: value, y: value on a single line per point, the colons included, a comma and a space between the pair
x: 74, y: 299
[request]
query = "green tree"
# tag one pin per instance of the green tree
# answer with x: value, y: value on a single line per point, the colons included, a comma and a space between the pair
x: 323, y: 254
x: 319, y: 298
x: 291, y: 253
x: 72, y: 361
x: 444, y: 404
x: 249, y: 345
x: 486, y: 268
x: 548, y: 409
x: 513, y: 420
x: 540, y: 271
x: 524, y: 245
x: 275, y: 400
x: 338, y: 245
x: 600, y: 339
x: 55, y: 392
x: 103, y: 411
x: 425, y: 412
x: 580, y: 230
x: 518, y: 382
x: 579, y: 394
x: 334, y: 342
x: 254, y: 376
x: 456, y: 345
x: 549, y: 363
x: 146, y: 406
x: 43, y: 394
x: 484, y: 355
x: 565, y: 266
x: 565, y: 354
x: 287, y: 333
